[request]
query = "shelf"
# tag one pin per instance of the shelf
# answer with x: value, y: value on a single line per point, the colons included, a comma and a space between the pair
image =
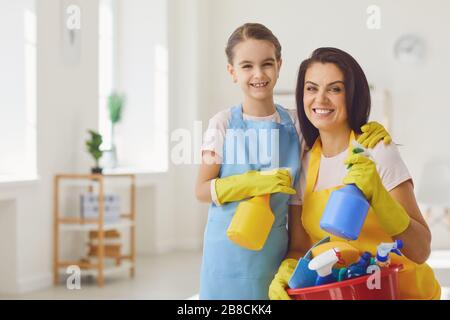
x: 93, y: 226
x: 101, y: 265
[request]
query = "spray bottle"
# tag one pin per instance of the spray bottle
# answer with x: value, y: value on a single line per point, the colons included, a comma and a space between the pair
x: 323, y: 264
x: 347, y: 208
x: 383, y: 251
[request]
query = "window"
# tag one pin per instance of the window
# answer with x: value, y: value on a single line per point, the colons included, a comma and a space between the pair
x: 18, y: 90
x: 106, y: 64
x: 133, y: 60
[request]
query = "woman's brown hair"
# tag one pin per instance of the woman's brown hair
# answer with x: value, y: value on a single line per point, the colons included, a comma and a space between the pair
x: 357, y: 92
x: 255, y: 31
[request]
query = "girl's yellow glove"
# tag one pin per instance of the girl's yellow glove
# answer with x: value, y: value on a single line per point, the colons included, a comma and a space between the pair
x: 372, y: 133
x: 253, y: 183
x: 277, y: 289
x: 363, y: 173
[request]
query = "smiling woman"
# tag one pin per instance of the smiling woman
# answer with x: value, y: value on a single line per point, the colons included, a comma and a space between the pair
x: 333, y: 103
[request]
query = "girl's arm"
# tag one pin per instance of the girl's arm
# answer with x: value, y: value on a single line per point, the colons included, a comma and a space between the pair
x: 209, y: 170
x: 299, y: 242
x: 417, y: 237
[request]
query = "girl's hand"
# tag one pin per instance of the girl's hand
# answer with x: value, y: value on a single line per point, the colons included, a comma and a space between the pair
x: 373, y: 132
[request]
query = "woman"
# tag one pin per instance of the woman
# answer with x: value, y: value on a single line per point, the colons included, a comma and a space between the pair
x: 333, y: 101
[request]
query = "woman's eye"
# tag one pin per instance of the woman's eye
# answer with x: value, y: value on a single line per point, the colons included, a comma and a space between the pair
x: 311, y: 88
x: 336, y: 89
x: 268, y: 64
x: 247, y: 66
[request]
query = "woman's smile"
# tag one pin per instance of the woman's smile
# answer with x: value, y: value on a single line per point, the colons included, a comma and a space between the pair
x: 322, y: 112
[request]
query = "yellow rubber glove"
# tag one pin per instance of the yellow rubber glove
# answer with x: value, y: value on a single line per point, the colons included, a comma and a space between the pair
x: 363, y: 173
x: 277, y: 288
x: 253, y: 183
x: 372, y: 133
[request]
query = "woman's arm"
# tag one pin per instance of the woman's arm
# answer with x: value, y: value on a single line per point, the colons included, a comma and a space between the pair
x: 299, y: 242
x: 417, y: 237
x: 397, y: 211
x: 209, y: 170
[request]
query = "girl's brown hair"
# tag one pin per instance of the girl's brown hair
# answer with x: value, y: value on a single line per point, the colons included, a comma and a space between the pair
x: 255, y: 31
x: 357, y: 92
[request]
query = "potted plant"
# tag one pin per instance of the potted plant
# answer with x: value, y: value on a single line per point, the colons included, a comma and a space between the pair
x: 116, y: 103
x: 93, y: 147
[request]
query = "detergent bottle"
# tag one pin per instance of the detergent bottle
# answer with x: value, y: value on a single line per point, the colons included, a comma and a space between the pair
x: 323, y: 265
x: 383, y: 251
x: 346, y: 211
x: 251, y: 223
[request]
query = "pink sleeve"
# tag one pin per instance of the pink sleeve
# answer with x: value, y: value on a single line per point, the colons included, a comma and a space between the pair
x: 390, y: 165
x: 214, y: 136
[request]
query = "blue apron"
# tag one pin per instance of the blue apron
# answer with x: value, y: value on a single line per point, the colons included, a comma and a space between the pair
x: 229, y: 271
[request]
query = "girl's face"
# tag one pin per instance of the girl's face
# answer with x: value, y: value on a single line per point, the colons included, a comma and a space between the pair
x: 255, y: 68
x: 324, y: 97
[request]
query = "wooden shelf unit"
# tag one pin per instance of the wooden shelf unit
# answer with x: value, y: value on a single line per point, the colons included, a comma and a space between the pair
x: 65, y: 223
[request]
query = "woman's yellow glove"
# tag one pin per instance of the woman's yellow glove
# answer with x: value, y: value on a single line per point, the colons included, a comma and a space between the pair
x: 372, y: 133
x: 253, y: 183
x: 363, y: 173
x: 277, y: 288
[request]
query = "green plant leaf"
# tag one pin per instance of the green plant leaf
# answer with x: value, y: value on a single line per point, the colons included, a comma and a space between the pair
x: 116, y: 103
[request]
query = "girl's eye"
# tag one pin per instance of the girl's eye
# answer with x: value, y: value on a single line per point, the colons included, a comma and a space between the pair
x: 268, y: 64
x: 247, y: 66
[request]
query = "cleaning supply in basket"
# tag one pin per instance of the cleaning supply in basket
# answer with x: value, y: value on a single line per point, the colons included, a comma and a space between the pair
x: 323, y: 264
x: 383, y: 252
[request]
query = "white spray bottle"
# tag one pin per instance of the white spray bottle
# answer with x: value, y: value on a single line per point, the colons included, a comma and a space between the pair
x: 383, y: 251
x: 323, y: 264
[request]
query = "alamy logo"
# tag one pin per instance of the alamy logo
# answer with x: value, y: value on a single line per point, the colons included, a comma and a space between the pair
x: 73, y: 21
x: 374, y: 281
x: 74, y: 280
x: 252, y: 147
x: 374, y: 19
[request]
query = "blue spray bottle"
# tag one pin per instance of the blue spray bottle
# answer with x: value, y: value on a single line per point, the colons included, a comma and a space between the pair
x: 346, y: 209
x: 383, y: 251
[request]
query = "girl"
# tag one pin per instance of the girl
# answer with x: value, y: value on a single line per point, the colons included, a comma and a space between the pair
x: 232, y: 172
x: 333, y: 101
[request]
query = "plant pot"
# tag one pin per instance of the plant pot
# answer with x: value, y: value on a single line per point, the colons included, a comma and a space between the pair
x: 97, y: 170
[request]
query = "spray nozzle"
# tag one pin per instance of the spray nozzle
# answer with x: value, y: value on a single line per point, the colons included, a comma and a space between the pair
x: 358, y: 149
x: 384, y: 249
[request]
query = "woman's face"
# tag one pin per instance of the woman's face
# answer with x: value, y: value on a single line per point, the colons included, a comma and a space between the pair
x: 255, y: 68
x: 324, y: 97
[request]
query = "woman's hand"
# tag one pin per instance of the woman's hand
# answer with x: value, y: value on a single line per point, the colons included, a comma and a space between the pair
x: 363, y: 173
x: 372, y: 133
x: 277, y: 288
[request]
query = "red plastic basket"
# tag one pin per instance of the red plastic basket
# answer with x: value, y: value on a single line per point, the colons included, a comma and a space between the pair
x: 353, y: 289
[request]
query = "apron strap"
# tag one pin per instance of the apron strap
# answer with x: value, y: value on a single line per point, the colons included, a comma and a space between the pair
x: 236, y: 115
x: 314, y: 163
x: 285, y: 118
